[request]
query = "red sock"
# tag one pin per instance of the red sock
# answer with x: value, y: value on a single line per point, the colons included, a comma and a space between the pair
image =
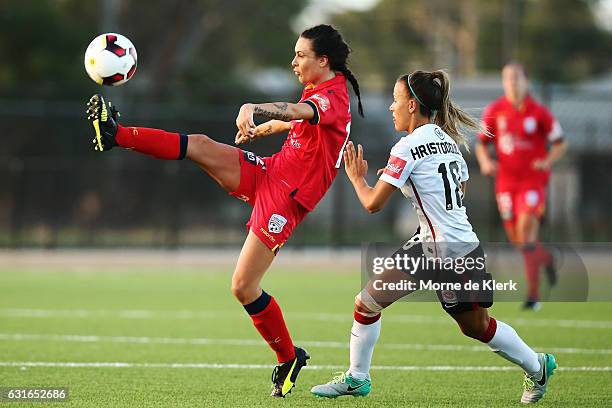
x: 154, y: 142
x: 271, y: 325
x: 359, y: 318
x: 532, y: 268
x: 543, y: 256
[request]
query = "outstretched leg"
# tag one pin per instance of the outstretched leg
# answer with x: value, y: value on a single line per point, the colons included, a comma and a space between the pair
x: 504, y: 341
x: 219, y: 160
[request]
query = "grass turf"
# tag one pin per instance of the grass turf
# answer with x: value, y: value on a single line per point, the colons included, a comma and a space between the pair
x: 157, y: 306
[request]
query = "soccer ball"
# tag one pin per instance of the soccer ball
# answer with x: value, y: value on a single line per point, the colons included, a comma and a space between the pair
x: 110, y: 59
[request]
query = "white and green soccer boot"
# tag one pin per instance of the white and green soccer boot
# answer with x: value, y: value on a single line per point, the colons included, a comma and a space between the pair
x: 535, y: 389
x: 343, y: 384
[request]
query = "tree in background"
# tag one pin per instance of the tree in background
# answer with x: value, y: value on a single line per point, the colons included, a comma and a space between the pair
x: 187, y: 49
x: 557, y: 40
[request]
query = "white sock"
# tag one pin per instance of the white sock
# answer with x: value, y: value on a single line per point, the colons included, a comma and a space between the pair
x: 507, y: 343
x: 363, y: 340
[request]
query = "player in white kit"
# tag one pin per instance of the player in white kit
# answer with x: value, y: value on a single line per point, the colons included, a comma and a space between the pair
x: 429, y: 169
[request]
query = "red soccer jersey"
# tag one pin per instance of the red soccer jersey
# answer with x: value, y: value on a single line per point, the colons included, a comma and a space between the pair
x: 521, y: 136
x: 309, y: 160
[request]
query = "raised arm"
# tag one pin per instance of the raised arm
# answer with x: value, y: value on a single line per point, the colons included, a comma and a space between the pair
x: 374, y: 198
x: 282, y: 111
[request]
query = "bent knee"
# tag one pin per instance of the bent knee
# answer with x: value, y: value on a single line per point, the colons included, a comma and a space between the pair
x: 244, y: 291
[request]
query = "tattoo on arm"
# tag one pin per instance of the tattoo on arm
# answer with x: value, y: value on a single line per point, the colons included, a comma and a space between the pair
x: 267, y: 131
x: 282, y: 106
x: 272, y: 115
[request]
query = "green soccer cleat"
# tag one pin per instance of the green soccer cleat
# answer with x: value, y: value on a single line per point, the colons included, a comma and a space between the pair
x: 343, y: 384
x: 285, y: 374
x: 535, y: 389
x: 104, y: 120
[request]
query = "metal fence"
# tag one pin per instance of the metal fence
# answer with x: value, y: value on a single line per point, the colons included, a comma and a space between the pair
x: 56, y: 192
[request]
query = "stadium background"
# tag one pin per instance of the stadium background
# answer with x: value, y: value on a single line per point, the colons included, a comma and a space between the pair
x: 198, y: 61
x: 115, y: 268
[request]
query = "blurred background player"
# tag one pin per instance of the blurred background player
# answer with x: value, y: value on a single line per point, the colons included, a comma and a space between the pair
x: 523, y: 129
x: 429, y: 169
x: 282, y: 188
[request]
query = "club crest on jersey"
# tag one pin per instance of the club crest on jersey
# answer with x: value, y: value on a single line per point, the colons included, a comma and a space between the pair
x: 449, y: 297
x: 323, y: 101
x: 395, y: 166
x: 276, y: 223
x: 529, y: 124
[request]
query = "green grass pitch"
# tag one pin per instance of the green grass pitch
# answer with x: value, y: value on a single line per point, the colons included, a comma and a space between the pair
x: 187, y: 343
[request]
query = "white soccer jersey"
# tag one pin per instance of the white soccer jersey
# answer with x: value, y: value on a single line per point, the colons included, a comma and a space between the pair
x: 428, y: 167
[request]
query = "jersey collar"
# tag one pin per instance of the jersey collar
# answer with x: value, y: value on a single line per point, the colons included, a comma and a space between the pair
x: 339, y: 78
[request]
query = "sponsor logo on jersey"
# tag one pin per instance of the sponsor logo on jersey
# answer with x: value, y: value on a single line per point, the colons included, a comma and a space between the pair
x: 294, y: 143
x: 501, y: 123
x: 530, y: 124
x: 267, y: 234
x: 439, y: 133
x: 395, y: 166
x: 322, y: 101
x: 276, y: 223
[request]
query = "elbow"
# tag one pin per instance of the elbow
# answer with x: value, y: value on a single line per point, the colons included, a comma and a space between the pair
x: 372, y: 208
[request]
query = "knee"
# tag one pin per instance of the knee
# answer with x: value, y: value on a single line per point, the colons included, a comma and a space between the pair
x: 242, y: 290
x: 198, y: 144
x: 475, y: 329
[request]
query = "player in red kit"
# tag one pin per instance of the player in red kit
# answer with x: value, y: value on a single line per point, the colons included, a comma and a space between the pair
x: 282, y: 188
x: 528, y: 140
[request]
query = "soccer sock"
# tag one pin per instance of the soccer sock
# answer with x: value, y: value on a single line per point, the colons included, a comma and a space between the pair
x: 269, y: 322
x: 154, y: 142
x: 542, y: 254
x: 504, y: 341
x: 364, y: 335
x: 532, y: 267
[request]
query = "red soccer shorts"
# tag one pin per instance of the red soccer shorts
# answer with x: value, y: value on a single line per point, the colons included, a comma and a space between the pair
x: 275, y: 214
x: 514, y: 198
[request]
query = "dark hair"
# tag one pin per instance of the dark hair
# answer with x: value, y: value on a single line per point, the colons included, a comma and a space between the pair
x: 328, y: 41
x: 431, y: 91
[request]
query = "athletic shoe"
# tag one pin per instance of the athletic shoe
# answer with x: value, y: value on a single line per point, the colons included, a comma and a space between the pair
x: 532, y: 305
x: 284, y: 375
x: 104, y: 120
x: 343, y: 384
x: 535, y: 389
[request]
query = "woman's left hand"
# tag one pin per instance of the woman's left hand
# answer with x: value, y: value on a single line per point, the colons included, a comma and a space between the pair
x: 245, y: 122
x: 355, y: 166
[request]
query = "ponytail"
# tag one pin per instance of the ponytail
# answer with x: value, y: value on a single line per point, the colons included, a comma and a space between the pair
x: 431, y: 90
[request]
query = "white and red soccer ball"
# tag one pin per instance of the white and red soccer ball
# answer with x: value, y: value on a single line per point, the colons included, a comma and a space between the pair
x: 110, y: 59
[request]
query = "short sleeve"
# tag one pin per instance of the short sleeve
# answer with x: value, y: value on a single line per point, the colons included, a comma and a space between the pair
x: 325, y: 107
x: 550, y: 126
x: 465, y: 174
x: 399, y: 166
x: 489, y: 123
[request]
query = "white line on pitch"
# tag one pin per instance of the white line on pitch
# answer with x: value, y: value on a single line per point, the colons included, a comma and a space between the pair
x: 251, y: 342
x: 205, y: 314
x: 25, y: 364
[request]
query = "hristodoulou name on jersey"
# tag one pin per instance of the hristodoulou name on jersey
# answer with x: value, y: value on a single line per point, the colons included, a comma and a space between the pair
x: 423, y: 150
